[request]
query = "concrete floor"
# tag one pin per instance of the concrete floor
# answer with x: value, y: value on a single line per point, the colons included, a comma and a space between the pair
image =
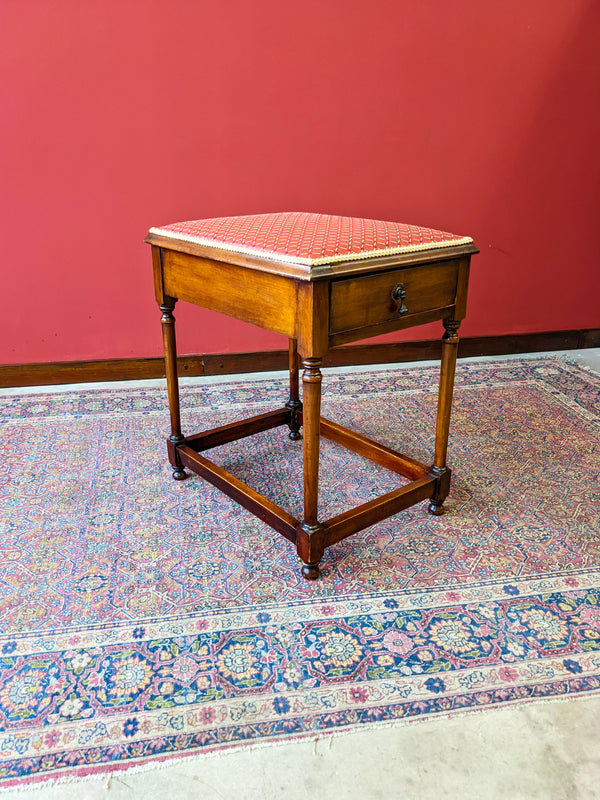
x: 546, y: 751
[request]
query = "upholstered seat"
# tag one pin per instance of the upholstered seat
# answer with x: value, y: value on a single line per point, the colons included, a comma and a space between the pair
x: 311, y: 239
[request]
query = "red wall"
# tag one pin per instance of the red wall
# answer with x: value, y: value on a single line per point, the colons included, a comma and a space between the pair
x: 477, y: 117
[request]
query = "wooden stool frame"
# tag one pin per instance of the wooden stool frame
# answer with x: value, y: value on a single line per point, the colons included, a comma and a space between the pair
x: 316, y: 307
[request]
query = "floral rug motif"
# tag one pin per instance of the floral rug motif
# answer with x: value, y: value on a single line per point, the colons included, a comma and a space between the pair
x: 143, y: 618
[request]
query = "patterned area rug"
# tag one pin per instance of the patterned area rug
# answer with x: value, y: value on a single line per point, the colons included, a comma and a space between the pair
x: 143, y: 618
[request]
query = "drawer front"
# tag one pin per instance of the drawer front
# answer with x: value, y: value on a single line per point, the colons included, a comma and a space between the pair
x: 370, y: 300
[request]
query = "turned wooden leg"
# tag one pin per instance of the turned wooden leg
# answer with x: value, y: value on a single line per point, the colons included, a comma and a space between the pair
x: 447, y: 370
x: 294, y: 403
x: 168, y: 329
x: 310, y: 533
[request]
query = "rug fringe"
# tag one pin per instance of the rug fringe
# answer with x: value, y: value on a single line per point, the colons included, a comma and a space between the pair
x: 100, y: 775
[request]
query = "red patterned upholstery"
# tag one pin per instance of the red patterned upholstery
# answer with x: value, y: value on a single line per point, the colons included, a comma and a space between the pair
x: 311, y: 239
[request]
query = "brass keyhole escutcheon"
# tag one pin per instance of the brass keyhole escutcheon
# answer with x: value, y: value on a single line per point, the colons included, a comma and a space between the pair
x: 399, y: 297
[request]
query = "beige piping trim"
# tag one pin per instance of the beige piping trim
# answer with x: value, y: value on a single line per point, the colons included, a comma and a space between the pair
x: 310, y: 262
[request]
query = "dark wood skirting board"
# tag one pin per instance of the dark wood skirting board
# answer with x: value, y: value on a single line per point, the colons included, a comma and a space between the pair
x: 125, y: 369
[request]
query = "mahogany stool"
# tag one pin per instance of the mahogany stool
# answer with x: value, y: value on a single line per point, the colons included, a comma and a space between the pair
x: 321, y: 281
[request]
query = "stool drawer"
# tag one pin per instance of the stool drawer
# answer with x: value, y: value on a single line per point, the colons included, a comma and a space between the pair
x: 373, y: 299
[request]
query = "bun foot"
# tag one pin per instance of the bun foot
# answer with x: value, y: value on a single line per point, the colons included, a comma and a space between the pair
x: 295, y: 435
x: 179, y: 474
x: 310, y: 571
x: 437, y: 509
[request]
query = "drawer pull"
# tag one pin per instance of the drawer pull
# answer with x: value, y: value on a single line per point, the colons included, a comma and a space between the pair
x: 399, y: 296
